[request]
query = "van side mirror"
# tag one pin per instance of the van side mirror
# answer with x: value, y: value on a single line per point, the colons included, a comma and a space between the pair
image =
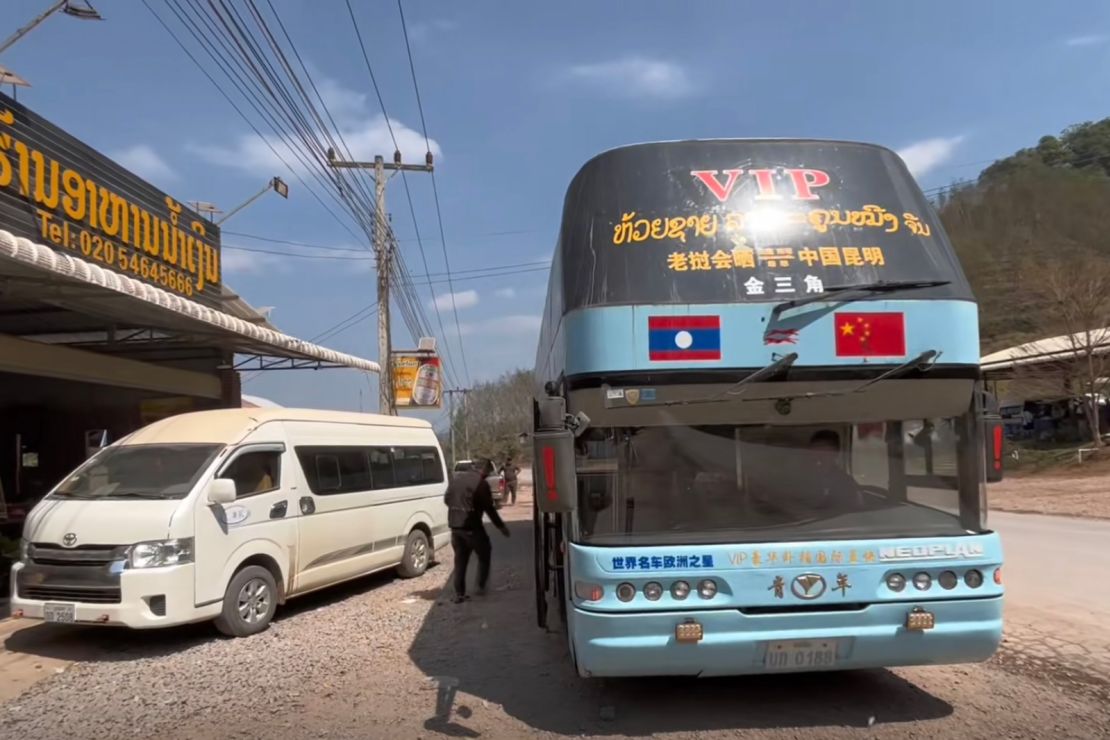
x: 222, y: 491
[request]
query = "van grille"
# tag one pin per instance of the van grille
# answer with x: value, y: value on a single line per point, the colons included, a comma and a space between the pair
x: 87, y: 595
x: 43, y: 554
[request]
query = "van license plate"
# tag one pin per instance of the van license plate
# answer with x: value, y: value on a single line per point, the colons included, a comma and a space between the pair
x: 800, y: 655
x: 64, y: 613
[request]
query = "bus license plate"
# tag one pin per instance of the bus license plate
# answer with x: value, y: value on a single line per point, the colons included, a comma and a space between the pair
x: 63, y: 613
x: 800, y: 655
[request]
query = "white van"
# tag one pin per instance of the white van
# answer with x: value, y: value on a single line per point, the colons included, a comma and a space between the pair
x: 225, y: 514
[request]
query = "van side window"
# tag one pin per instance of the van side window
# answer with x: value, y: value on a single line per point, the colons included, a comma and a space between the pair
x: 332, y: 470
x: 381, y: 467
x: 417, y: 466
x: 255, y: 472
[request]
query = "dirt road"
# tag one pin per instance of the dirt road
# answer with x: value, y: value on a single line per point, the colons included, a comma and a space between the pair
x: 363, y: 662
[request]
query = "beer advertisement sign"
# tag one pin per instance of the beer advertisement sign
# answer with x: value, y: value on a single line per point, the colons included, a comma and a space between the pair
x: 417, y: 380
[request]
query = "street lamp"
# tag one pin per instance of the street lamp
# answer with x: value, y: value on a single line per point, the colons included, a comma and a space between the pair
x: 276, y: 184
x: 85, y: 12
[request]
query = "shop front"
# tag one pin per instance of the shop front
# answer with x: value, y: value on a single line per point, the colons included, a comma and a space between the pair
x: 113, y: 310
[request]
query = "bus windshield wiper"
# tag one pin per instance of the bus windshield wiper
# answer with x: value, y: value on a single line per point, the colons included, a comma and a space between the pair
x: 848, y: 292
x: 737, y: 388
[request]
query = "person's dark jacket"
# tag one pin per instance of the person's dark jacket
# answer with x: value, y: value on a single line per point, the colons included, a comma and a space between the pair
x: 468, y: 497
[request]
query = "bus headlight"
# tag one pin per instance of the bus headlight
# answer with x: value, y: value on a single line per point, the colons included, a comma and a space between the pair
x: 947, y: 580
x: 653, y: 590
x: 161, y: 553
x: 896, y: 582
x: 707, y: 589
x: 922, y: 581
x: 973, y: 579
x: 626, y: 592
x: 680, y: 590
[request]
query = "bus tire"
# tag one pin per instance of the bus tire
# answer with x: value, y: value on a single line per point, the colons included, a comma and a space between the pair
x: 249, y: 602
x: 417, y: 554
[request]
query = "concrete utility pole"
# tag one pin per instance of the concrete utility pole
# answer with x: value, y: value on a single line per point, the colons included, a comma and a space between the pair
x: 383, y: 250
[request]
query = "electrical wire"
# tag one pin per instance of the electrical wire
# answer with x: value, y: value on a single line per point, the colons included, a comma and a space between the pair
x: 435, y: 189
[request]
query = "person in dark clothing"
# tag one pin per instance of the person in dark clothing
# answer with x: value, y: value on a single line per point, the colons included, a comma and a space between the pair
x: 468, y: 499
x: 510, y: 471
x: 832, y: 486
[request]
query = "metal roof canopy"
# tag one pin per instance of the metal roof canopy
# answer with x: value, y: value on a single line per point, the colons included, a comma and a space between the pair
x: 57, y: 298
x: 1051, y: 350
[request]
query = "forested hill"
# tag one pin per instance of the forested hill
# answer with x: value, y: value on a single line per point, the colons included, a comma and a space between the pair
x: 1038, y: 207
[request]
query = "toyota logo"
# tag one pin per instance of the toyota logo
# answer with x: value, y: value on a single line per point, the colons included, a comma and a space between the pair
x: 808, y: 586
x: 70, y: 540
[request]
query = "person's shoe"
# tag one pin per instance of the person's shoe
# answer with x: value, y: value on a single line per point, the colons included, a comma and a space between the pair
x: 461, y: 599
x: 481, y: 591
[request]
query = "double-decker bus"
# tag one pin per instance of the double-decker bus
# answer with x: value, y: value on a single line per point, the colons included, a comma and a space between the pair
x: 759, y: 420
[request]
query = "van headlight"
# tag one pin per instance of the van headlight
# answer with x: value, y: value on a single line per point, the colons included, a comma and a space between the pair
x: 24, y: 550
x: 161, y: 553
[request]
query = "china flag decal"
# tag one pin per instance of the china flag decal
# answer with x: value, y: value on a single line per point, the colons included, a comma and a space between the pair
x: 870, y: 334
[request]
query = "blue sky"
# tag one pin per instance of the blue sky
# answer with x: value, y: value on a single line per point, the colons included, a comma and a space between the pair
x: 517, y: 96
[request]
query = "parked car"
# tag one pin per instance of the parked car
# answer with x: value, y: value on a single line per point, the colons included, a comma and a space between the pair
x: 496, y: 480
x: 223, y: 515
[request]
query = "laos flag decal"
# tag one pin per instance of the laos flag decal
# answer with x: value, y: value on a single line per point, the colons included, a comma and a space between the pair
x: 684, y: 338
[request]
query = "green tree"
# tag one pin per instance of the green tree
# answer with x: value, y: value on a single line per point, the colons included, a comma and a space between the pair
x: 492, y: 418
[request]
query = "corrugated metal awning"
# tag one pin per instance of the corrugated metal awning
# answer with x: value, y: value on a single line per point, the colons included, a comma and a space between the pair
x: 67, y: 279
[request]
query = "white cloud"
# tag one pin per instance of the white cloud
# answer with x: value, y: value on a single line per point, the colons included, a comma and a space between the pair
x: 365, y: 133
x: 462, y: 299
x: 145, y: 162
x: 634, y: 76
x: 421, y: 30
x: 503, y: 326
x: 505, y: 292
x: 250, y: 263
x: 1088, y: 40
x: 926, y: 155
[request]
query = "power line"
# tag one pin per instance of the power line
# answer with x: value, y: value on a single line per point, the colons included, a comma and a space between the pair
x: 435, y: 191
x: 404, y: 179
x: 275, y: 240
x: 175, y: 10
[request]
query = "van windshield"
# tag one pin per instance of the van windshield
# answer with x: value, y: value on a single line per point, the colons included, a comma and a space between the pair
x: 139, y: 471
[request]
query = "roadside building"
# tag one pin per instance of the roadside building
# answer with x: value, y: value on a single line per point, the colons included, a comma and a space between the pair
x: 113, y: 310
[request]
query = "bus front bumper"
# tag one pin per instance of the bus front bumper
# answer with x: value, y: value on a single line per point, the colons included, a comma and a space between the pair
x: 734, y: 643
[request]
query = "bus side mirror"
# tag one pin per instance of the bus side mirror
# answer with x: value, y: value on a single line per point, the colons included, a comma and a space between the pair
x: 554, y: 475
x: 221, y: 491
x: 994, y: 439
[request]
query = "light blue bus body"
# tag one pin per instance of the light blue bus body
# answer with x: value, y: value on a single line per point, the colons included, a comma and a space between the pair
x: 693, y: 546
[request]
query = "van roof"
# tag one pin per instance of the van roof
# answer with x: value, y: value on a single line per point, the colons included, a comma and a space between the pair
x: 227, y: 426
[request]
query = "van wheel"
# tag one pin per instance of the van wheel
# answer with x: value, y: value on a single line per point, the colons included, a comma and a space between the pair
x: 418, y: 553
x: 249, y: 602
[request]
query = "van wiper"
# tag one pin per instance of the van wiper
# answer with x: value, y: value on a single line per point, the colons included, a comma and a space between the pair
x: 133, y: 494
x: 850, y: 292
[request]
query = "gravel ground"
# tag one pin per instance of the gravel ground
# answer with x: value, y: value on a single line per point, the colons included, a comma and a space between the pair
x: 364, y: 660
x: 1086, y: 496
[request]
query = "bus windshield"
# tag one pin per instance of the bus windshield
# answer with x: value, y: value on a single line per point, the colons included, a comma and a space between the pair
x: 708, y: 484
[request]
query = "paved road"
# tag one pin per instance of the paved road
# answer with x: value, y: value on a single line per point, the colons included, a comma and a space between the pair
x: 1056, y: 563
x: 1056, y: 604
